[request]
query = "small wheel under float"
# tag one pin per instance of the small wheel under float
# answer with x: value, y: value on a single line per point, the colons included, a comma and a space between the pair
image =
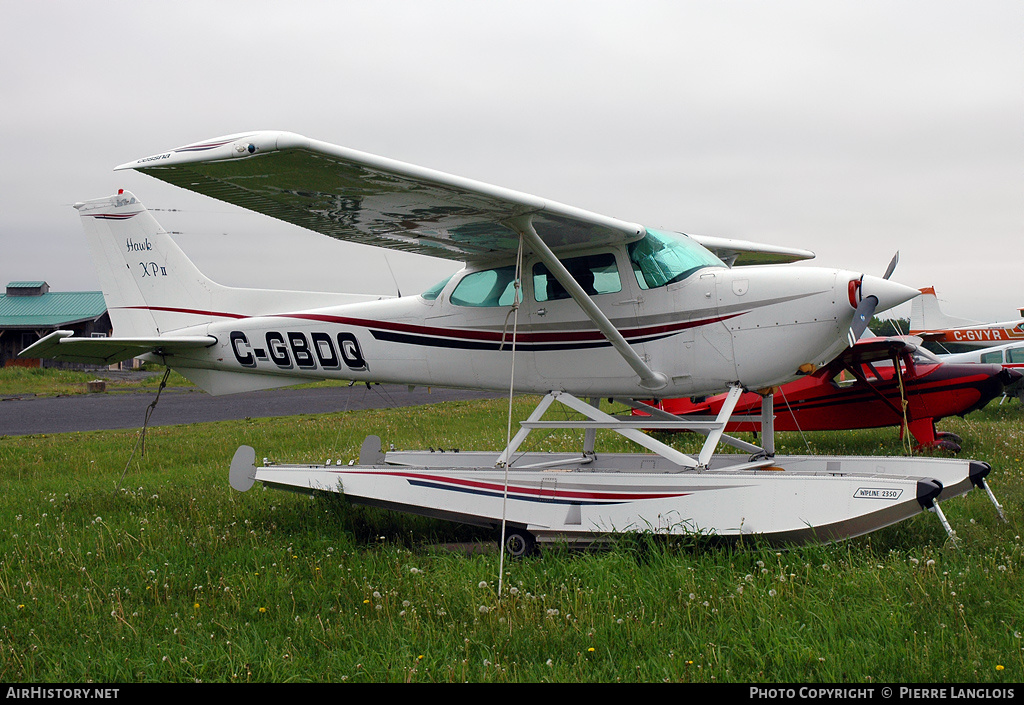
x: 519, y: 543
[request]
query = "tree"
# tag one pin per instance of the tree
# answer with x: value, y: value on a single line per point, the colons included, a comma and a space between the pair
x: 884, y: 327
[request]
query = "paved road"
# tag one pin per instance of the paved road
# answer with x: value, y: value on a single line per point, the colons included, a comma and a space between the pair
x: 117, y: 410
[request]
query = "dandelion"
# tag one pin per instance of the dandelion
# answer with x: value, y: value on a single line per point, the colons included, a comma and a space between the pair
x: 590, y: 649
x: 263, y: 610
x: 999, y: 667
x: 482, y: 584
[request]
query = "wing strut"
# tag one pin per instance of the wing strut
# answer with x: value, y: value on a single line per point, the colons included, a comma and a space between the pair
x: 649, y: 379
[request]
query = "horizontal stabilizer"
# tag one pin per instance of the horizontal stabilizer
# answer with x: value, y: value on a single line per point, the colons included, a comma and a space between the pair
x: 60, y: 345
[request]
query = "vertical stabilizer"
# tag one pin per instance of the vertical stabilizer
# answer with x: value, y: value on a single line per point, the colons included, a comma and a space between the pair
x: 150, y: 285
x: 926, y: 315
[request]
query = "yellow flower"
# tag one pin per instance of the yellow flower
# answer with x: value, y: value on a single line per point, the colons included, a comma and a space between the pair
x: 999, y: 667
x: 196, y: 606
x: 262, y: 610
x: 591, y: 649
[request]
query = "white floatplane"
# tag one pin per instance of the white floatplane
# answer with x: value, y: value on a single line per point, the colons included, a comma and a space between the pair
x: 552, y: 300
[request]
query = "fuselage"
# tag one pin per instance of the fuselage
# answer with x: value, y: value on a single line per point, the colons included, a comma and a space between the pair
x: 703, y: 331
x: 930, y: 389
x: 979, y: 336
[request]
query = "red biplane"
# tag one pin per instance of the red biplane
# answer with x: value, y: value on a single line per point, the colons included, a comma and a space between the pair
x: 876, y: 383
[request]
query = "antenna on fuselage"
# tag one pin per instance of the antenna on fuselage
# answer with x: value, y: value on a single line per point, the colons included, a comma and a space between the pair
x: 393, y: 277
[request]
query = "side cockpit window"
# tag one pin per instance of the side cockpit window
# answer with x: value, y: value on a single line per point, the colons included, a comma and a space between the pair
x: 596, y: 274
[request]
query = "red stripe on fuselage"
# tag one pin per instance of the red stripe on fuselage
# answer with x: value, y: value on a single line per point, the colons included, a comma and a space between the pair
x: 458, y: 333
x: 494, y: 336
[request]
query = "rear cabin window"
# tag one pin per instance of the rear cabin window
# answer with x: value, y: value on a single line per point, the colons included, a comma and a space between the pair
x: 489, y: 287
x: 596, y: 274
x: 435, y: 291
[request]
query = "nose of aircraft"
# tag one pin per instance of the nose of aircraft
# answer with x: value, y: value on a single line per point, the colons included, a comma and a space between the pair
x: 888, y: 293
x: 1011, y: 376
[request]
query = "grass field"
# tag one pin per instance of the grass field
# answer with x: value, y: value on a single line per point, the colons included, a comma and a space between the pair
x: 171, y: 576
x: 38, y: 381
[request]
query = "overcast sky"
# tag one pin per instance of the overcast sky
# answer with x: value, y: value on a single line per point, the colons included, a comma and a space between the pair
x: 853, y: 129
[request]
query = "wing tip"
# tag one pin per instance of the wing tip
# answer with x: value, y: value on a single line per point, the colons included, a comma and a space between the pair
x: 239, y: 145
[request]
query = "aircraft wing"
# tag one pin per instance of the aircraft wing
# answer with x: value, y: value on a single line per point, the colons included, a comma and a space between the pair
x: 363, y: 198
x: 739, y: 253
x: 372, y: 200
x: 60, y: 345
x: 867, y: 350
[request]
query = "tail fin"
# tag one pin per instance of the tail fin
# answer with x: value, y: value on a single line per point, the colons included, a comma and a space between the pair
x: 150, y: 285
x: 925, y: 314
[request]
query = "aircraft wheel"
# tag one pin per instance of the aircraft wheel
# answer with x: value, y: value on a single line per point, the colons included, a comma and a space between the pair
x: 947, y: 436
x: 519, y: 543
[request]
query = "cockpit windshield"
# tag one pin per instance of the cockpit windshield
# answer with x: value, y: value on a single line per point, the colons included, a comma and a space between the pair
x: 663, y: 258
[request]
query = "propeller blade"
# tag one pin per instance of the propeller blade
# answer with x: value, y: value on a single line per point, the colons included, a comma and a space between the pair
x: 892, y: 266
x: 862, y: 316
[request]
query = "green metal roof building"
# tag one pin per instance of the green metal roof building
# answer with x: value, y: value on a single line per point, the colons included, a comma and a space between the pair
x: 30, y: 311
